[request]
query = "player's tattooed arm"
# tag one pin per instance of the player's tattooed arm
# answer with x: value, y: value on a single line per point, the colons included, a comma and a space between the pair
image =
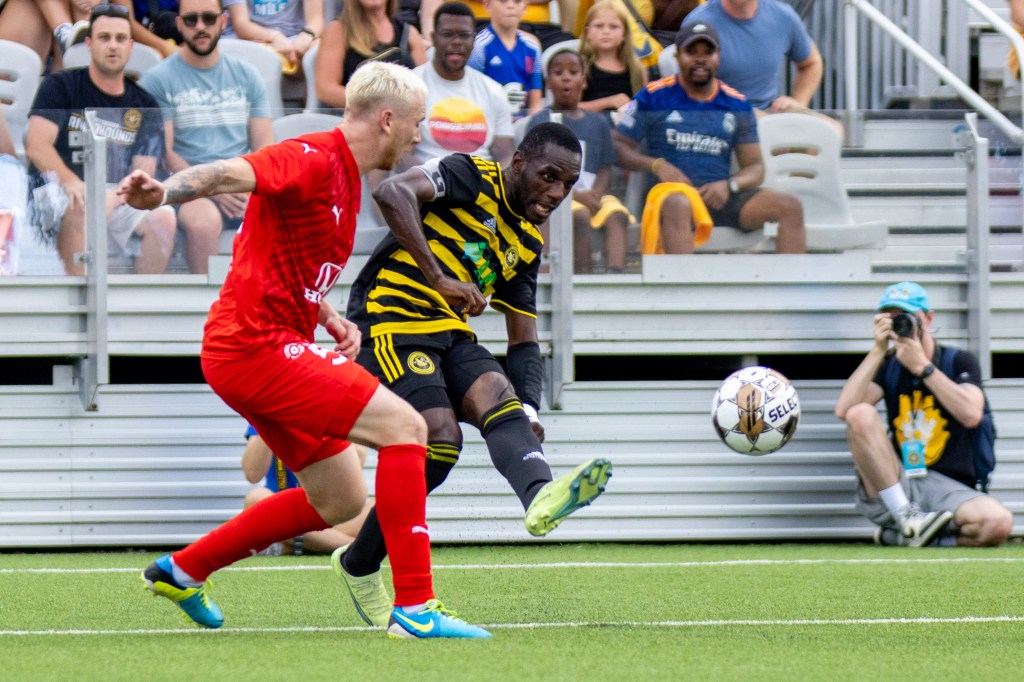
x: 142, y: 191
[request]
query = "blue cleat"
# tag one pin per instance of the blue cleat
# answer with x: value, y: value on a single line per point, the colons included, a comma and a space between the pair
x: 194, y: 601
x: 433, y: 621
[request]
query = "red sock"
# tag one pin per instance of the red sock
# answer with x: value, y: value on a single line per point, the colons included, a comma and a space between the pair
x: 280, y: 516
x: 401, y: 499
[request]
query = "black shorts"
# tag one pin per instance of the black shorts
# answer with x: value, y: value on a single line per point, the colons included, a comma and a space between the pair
x: 729, y: 215
x: 434, y: 370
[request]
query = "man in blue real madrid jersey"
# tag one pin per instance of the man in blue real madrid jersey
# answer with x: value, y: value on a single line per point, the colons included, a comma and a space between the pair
x: 463, y: 229
x: 692, y: 123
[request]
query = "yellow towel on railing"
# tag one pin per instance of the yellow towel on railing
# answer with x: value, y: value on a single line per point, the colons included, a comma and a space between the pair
x: 650, y: 224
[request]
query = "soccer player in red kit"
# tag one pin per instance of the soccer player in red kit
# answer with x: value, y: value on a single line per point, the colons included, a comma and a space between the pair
x: 308, y: 402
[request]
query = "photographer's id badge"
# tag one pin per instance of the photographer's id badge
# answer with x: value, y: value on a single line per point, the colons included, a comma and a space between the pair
x: 913, y: 458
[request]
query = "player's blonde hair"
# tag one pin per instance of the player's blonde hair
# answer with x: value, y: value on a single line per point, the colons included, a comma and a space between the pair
x: 378, y: 85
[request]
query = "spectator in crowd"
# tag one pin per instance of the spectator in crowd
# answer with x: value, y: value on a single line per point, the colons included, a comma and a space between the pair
x: 759, y: 38
x: 45, y: 24
x: 917, y: 482
x: 510, y: 56
x: 154, y: 24
x: 289, y: 26
x: 692, y: 124
x: 214, y: 107
x: 536, y: 20
x: 614, y: 74
x: 466, y: 111
x: 129, y: 121
x: 365, y: 29
x: 261, y: 466
x: 593, y: 208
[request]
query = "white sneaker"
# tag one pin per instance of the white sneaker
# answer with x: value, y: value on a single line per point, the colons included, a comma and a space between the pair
x: 68, y: 35
x: 920, y: 527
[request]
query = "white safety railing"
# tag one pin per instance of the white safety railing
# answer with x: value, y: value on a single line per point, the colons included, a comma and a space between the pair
x: 975, y: 156
x: 94, y: 369
x: 972, y: 98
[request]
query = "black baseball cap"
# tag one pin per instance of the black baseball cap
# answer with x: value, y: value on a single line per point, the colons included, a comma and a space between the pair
x: 698, y: 30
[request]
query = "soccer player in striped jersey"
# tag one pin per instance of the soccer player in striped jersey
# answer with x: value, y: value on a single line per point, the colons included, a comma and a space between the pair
x: 464, y: 229
x: 308, y: 403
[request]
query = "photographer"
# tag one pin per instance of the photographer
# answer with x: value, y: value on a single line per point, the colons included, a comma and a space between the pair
x: 917, y: 483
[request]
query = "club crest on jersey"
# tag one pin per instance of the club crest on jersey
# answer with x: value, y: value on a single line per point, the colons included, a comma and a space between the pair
x: 420, y: 363
x: 511, y: 256
x: 729, y: 123
x: 294, y: 350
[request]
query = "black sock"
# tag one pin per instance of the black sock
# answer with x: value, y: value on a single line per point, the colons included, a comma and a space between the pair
x: 515, y: 450
x: 366, y: 553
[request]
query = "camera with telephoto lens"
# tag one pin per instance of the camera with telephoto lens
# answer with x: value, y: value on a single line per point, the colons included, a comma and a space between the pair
x: 904, y: 324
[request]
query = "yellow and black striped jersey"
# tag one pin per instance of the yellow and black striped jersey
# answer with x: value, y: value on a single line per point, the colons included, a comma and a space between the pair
x: 475, y: 236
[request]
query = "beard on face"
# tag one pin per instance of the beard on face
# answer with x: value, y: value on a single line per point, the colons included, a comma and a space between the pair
x: 214, y: 39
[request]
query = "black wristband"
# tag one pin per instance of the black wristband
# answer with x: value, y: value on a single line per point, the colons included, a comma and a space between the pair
x: 311, y: 32
x: 928, y: 370
x: 526, y: 371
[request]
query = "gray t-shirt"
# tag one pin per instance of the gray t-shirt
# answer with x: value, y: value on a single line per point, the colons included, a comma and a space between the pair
x: 211, y: 108
x: 286, y: 16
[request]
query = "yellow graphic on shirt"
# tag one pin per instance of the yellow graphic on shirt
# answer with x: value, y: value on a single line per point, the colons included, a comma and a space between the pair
x: 919, y: 419
x: 457, y: 125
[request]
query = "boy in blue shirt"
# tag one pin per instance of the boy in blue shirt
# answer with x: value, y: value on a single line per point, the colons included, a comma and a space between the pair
x: 510, y: 56
x: 592, y: 208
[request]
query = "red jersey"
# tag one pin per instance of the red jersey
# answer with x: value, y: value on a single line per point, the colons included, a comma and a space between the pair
x: 294, y: 241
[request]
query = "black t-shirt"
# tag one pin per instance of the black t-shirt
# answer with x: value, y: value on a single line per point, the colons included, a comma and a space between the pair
x: 130, y: 122
x: 914, y: 413
x: 602, y: 83
x: 397, y: 51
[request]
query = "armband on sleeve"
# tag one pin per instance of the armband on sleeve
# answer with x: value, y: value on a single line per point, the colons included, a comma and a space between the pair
x: 526, y: 371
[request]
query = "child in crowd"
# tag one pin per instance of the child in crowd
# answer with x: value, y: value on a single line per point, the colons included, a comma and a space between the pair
x: 592, y: 208
x: 614, y: 74
x: 260, y: 466
x: 510, y: 56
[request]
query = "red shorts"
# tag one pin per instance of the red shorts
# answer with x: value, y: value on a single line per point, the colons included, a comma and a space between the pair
x: 302, y: 399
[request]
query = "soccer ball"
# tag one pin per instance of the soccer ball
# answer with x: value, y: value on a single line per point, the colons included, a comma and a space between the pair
x: 755, y: 411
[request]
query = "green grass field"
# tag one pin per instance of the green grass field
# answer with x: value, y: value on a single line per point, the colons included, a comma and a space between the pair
x: 558, y: 612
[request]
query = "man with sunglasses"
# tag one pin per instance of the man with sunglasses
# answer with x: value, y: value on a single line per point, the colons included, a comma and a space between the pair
x: 466, y: 111
x: 128, y: 118
x: 214, y: 107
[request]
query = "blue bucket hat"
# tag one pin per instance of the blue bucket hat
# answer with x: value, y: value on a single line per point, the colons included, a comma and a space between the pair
x: 909, y: 296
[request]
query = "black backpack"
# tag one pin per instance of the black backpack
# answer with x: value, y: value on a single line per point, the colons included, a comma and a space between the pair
x: 982, y: 438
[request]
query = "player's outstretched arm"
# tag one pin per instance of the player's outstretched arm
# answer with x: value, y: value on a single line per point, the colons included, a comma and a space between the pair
x: 400, y: 198
x: 139, y: 190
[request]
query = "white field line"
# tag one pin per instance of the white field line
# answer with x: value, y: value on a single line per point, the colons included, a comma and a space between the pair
x: 963, y: 620
x: 578, y: 564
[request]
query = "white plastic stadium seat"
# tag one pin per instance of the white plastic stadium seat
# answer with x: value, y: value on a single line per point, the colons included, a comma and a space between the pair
x: 667, y: 64
x: 309, y: 71
x: 266, y: 61
x: 801, y: 156
x: 141, y: 59
x: 19, y: 79
x: 294, y: 125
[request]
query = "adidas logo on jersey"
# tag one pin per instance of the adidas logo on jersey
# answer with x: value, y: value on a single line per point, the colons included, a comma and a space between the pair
x: 491, y: 224
x: 495, y: 61
x: 674, y: 117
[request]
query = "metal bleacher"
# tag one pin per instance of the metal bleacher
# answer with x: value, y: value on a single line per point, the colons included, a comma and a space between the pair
x: 158, y: 464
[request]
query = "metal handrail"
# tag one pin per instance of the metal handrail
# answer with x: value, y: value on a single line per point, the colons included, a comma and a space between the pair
x: 1014, y: 132
x: 94, y: 368
x: 978, y: 296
